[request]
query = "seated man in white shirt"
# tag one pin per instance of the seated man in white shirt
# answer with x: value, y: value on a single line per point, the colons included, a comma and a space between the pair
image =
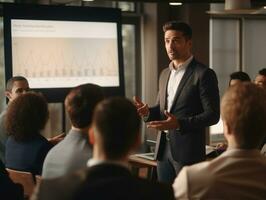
x: 240, y: 172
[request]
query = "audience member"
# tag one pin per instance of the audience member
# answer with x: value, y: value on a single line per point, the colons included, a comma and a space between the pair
x: 115, y: 133
x: 74, y: 151
x: 260, y: 79
x: 25, y: 148
x: 240, y: 172
x: 8, y: 189
x: 238, y: 77
x: 14, y: 87
x: 235, y: 78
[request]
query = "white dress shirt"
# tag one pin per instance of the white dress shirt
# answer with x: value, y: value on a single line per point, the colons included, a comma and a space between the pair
x: 175, y: 79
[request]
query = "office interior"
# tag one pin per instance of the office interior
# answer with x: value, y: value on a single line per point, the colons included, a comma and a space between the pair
x: 225, y: 40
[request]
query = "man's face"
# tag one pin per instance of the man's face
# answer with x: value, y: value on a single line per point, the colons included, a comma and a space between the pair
x: 260, y: 80
x: 177, y: 46
x: 234, y: 82
x: 19, y: 87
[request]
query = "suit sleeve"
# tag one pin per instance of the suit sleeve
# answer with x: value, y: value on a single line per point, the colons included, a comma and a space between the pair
x: 210, y: 101
x: 154, y: 112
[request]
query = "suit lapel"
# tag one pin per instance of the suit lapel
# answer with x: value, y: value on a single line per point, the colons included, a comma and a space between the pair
x: 164, y: 85
x: 182, y: 83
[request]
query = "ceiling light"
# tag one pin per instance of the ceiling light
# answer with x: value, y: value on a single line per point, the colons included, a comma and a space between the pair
x: 175, y: 3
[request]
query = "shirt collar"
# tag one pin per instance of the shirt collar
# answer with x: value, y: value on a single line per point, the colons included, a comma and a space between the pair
x: 92, y: 162
x: 181, y: 65
x: 241, y: 152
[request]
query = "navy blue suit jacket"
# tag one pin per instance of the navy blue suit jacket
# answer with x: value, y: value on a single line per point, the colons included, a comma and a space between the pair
x: 196, y: 106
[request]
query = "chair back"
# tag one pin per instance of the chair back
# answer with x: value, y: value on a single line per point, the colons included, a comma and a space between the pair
x: 24, y: 178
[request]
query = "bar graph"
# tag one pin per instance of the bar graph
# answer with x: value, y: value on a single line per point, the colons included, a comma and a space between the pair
x: 53, y: 57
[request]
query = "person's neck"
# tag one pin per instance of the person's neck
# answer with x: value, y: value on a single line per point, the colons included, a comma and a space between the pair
x: 83, y: 130
x: 99, y: 155
x: 177, y: 62
x: 232, y: 144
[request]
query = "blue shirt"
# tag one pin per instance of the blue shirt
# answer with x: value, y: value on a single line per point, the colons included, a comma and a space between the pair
x: 27, y: 155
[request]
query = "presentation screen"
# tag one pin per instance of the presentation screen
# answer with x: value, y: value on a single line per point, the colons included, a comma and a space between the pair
x: 56, y: 51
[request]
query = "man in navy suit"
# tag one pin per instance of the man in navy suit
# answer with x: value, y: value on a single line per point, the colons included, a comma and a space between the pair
x: 187, y: 103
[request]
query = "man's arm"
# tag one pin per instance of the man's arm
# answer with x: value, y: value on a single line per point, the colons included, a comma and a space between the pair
x: 146, y: 112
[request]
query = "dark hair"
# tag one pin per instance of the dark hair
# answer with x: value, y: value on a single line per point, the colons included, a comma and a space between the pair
x: 262, y: 72
x: 26, y: 116
x: 243, y: 108
x: 10, y: 82
x: 242, y: 76
x: 80, y: 103
x: 117, y: 122
x: 179, y: 26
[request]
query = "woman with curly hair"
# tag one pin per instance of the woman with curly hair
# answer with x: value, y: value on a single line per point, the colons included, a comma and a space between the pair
x: 26, y: 148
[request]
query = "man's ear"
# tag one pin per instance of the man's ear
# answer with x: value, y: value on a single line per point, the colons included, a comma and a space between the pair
x: 227, y: 129
x: 91, y: 135
x: 8, y: 95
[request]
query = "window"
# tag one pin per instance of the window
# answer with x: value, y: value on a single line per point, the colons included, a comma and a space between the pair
x: 236, y: 43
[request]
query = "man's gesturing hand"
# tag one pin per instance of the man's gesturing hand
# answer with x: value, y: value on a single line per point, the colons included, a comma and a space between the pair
x: 171, y: 122
x: 142, y: 108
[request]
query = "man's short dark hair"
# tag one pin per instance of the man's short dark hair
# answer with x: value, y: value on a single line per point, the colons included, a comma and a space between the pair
x: 10, y: 82
x: 118, y: 124
x: 80, y: 103
x: 242, y: 76
x: 26, y: 116
x: 262, y: 72
x: 179, y: 26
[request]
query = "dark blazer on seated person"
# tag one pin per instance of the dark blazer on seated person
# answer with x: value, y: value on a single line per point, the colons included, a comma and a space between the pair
x: 8, y: 189
x: 27, y: 155
x: 101, y: 182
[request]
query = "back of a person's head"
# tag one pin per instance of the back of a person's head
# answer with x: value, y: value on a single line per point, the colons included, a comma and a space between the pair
x: 10, y: 82
x: 26, y: 116
x: 117, y: 123
x: 262, y: 72
x: 179, y: 26
x: 243, y: 108
x: 241, y: 76
x: 80, y: 103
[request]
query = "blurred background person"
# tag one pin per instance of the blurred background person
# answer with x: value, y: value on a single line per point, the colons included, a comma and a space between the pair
x: 238, y: 77
x: 260, y: 79
x: 15, y: 86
